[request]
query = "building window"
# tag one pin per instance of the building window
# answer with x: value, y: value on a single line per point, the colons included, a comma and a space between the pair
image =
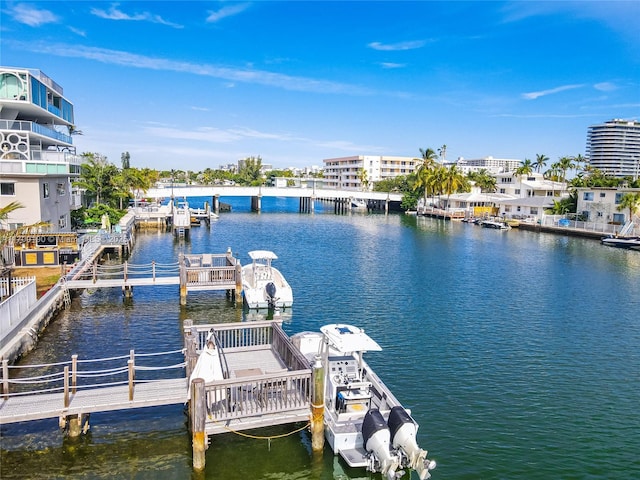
x: 588, y: 196
x: 62, y: 221
x: 60, y: 189
x: 517, y: 191
x: 7, y: 189
x: 549, y: 194
x: 45, y: 190
x: 602, y: 194
x: 502, y: 190
x: 534, y: 211
x: 619, y: 197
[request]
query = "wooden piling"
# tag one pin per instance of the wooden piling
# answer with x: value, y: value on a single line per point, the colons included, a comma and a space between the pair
x: 238, y: 283
x: 5, y: 375
x: 317, y: 406
x: 197, y: 411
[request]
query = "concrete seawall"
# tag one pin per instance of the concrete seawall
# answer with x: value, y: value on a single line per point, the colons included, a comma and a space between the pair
x: 25, y: 336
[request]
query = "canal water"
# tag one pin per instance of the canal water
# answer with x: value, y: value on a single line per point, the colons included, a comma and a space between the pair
x: 517, y: 352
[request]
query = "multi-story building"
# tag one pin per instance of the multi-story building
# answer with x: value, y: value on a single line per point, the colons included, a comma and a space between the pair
x: 613, y: 147
x: 360, y: 172
x: 492, y: 165
x: 37, y: 156
x: 600, y: 205
x: 532, y: 185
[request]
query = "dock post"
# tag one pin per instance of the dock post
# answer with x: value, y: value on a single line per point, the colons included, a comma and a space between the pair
x: 317, y: 406
x: 238, y: 283
x: 191, y: 348
x: 5, y: 375
x: 198, y: 418
x: 183, y: 281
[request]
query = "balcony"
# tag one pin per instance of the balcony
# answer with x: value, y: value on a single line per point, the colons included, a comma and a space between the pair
x: 24, y: 126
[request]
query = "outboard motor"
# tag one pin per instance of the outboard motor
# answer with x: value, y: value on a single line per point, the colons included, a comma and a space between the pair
x: 376, y: 439
x: 270, y: 288
x: 403, y: 436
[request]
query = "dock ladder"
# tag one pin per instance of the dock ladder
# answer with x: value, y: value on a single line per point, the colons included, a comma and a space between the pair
x: 65, y: 292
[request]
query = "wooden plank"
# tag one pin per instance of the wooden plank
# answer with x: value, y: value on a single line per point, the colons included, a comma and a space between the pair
x: 51, y: 405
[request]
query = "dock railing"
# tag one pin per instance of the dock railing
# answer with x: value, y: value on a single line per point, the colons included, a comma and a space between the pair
x: 261, y: 394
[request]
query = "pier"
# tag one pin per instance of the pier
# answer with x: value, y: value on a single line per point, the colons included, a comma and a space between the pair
x: 204, y: 272
x: 267, y: 381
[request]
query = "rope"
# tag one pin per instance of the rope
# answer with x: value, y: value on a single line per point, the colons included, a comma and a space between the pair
x: 41, y: 365
x: 160, y: 353
x: 177, y: 365
x: 259, y: 437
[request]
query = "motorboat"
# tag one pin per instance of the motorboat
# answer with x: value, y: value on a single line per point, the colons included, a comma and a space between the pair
x: 364, y: 423
x: 623, y: 239
x: 630, y: 243
x: 263, y: 286
x: 495, y: 225
x: 358, y: 205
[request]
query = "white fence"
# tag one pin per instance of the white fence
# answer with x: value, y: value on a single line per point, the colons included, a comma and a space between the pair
x: 16, y: 307
x: 563, y: 221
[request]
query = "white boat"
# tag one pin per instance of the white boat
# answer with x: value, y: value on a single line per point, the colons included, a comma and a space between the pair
x: 364, y: 422
x: 358, y: 205
x: 495, y: 225
x: 623, y: 239
x: 630, y: 243
x: 263, y: 286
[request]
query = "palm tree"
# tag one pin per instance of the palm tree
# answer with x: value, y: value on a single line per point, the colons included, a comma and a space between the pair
x: 7, y: 209
x: 364, y: 180
x: 453, y: 181
x: 523, y: 170
x: 630, y: 201
x: 564, y: 164
x: 442, y: 151
x: 97, y: 176
x: 484, y: 180
x: 541, y: 161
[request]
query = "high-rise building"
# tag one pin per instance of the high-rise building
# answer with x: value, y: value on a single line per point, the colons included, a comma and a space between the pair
x: 360, y: 172
x: 37, y: 156
x: 613, y: 148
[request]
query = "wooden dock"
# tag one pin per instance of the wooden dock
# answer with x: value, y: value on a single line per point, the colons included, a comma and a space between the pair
x: 267, y: 381
x: 204, y: 272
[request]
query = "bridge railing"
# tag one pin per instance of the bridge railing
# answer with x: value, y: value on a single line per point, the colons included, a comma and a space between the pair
x: 127, y: 271
x: 76, y: 374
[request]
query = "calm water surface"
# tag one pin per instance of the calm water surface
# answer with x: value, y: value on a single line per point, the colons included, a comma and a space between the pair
x: 516, y: 352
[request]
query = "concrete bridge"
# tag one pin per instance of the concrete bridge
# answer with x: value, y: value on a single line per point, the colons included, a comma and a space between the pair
x: 308, y: 196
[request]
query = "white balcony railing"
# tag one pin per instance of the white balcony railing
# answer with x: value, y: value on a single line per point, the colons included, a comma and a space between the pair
x: 24, y: 126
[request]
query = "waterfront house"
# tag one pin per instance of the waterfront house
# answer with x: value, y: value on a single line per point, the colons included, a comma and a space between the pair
x: 345, y: 173
x: 37, y: 158
x: 600, y: 205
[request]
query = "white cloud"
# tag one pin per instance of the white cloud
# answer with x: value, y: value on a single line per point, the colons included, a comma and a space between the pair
x: 114, y: 13
x: 31, y: 16
x: 392, y: 65
x: 605, y: 86
x: 551, y: 91
x: 228, y: 11
x: 230, y: 74
x: 392, y: 47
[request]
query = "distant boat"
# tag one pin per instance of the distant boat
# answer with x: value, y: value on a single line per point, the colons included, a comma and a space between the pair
x: 358, y: 205
x: 495, y: 225
x: 263, y: 286
x: 622, y: 239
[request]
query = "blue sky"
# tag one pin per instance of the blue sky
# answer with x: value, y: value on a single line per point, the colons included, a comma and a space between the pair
x: 198, y: 84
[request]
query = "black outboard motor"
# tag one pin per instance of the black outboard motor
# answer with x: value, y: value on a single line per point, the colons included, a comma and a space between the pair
x: 376, y: 439
x: 403, y: 436
x: 270, y: 288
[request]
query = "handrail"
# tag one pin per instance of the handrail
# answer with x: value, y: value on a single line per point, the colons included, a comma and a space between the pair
x: 71, y: 375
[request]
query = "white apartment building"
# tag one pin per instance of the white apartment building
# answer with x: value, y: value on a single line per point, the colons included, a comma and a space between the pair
x: 492, y: 165
x: 37, y: 156
x: 600, y: 205
x: 613, y: 147
x: 345, y: 173
x: 532, y: 185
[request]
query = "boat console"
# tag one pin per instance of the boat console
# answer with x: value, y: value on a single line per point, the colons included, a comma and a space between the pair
x: 346, y: 389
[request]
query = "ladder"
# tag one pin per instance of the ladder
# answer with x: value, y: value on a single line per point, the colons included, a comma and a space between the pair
x: 65, y: 292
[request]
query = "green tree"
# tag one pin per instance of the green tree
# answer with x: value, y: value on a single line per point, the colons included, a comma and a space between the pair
x: 453, y: 181
x: 565, y: 164
x: 251, y: 171
x: 97, y: 178
x: 523, y: 170
x: 541, y: 161
x: 484, y: 180
x: 364, y: 180
x: 629, y: 201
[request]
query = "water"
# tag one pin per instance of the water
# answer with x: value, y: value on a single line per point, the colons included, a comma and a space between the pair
x: 516, y: 352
